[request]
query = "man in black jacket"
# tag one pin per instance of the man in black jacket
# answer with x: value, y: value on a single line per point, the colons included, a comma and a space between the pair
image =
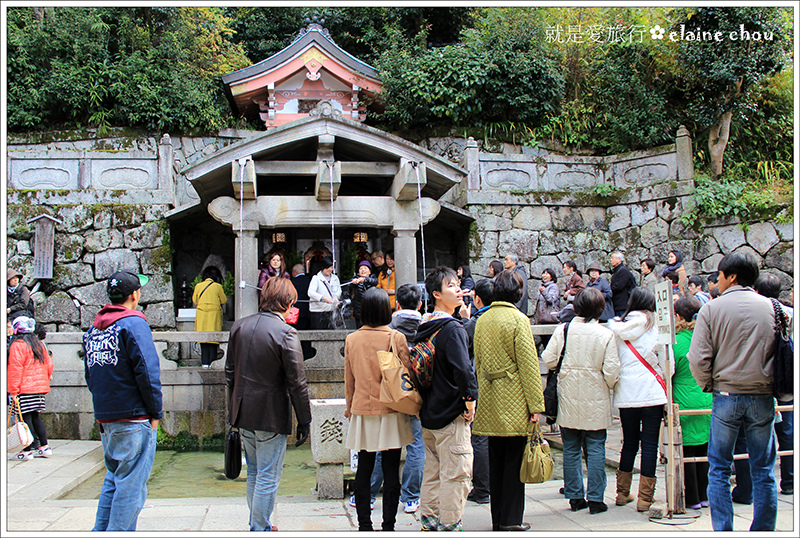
x: 622, y: 283
x: 300, y: 281
x: 484, y: 295
x: 448, y: 408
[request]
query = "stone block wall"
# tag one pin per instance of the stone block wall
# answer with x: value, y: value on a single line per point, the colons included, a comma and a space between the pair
x: 111, y: 196
x: 547, y: 229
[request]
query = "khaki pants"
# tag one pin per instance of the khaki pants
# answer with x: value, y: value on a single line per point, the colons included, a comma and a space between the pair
x: 447, y: 474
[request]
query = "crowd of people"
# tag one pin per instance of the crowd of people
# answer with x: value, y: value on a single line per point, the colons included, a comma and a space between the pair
x: 485, y: 392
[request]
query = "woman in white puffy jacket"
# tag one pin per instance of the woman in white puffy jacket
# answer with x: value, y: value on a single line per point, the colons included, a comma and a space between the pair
x: 639, y: 395
x: 589, y: 370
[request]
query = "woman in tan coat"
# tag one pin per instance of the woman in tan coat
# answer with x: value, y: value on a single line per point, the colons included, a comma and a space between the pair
x: 589, y: 370
x: 373, y: 426
x: 209, y: 297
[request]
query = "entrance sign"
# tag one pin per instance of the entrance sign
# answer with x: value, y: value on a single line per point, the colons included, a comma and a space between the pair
x: 665, y: 313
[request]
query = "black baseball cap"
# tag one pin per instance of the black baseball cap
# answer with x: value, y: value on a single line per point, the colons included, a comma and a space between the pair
x: 122, y: 283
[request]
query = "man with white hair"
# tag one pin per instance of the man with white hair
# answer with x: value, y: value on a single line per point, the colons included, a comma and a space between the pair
x: 511, y: 261
x: 622, y: 283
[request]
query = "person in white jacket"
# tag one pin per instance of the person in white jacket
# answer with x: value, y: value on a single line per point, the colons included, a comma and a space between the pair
x: 324, y: 292
x: 640, y: 395
x: 589, y: 370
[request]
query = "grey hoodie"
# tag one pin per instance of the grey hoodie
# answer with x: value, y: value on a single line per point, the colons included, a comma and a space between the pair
x: 406, y: 321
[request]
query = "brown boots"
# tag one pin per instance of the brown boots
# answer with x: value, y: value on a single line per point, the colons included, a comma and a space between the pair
x: 647, y: 485
x: 624, y: 487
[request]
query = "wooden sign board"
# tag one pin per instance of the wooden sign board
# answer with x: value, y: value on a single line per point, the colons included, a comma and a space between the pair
x: 44, y: 241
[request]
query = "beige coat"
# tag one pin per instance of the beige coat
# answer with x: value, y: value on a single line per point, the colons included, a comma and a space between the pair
x: 589, y: 370
x: 362, y: 374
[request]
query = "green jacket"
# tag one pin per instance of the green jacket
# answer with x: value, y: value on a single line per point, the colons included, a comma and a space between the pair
x: 504, y: 347
x: 687, y: 393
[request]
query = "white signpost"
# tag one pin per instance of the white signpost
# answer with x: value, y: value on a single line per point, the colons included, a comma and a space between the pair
x: 665, y: 321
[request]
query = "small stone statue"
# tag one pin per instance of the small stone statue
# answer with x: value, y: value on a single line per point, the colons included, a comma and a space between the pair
x: 184, y: 295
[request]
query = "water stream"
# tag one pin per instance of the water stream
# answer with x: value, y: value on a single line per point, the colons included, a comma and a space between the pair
x: 201, y: 474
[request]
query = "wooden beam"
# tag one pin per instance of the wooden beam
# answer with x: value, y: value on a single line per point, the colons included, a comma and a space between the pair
x: 310, y: 168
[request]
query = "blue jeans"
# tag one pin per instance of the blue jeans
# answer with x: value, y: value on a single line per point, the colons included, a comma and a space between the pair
x: 784, y: 430
x: 756, y: 412
x: 595, y: 463
x: 412, y: 470
x: 129, y: 449
x: 264, y: 452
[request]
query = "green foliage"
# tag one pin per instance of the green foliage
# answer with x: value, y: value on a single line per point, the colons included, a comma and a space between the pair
x: 349, y: 259
x: 725, y: 197
x: 606, y: 190
x: 229, y: 285
x: 498, y: 73
x: 155, y: 68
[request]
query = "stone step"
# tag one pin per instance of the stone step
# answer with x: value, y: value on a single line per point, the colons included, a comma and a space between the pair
x: 43, y: 479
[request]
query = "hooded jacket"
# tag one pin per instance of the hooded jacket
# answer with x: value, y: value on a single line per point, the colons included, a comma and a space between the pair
x: 407, y: 322
x: 121, y: 366
x: 637, y: 386
x: 453, y: 380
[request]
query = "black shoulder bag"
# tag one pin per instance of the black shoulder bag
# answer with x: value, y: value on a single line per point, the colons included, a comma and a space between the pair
x: 783, y: 356
x: 551, y: 389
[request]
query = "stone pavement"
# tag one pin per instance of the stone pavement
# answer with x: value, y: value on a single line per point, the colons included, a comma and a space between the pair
x: 34, y: 487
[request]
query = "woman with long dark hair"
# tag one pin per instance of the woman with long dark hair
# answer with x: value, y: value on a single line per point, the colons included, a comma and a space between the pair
x: 640, y: 395
x: 29, y: 370
x: 276, y: 266
x: 467, y: 284
x: 373, y: 426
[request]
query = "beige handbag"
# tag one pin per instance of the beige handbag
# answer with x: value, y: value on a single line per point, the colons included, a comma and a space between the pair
x: 19, y: 436
x: 397, y: 391
x: 537, y: 462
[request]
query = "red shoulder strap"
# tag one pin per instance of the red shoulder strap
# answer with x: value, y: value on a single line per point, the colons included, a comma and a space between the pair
x: 647, y: 365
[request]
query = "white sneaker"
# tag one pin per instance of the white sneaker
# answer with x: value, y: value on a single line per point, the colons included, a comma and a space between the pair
x: 25, y: 455
x: 353, y: 502
x: 44, y: 452
x: 206, y: 366
x: 411, y: 507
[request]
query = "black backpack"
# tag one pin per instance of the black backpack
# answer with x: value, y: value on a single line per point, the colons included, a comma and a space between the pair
x: 783, y: 356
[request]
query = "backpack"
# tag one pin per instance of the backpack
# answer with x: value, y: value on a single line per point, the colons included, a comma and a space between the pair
x: 421, y: 362
x: 783, y: 356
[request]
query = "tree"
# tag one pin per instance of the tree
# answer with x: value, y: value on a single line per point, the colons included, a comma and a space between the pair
x: 717, y: 76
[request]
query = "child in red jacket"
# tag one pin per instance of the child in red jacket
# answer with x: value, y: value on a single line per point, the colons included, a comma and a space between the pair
x: 29, y: 370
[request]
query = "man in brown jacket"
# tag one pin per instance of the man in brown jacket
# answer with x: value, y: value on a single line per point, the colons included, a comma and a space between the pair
x: 731, y: 356
x: 266, y: 378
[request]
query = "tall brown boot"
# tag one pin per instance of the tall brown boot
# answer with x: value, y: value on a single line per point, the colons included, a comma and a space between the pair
x: 647, y: 486
x: 624, y: 487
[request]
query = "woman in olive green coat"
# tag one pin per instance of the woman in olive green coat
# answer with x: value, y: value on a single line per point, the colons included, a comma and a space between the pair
x: 688, y: 395
x: 509, y: 397
x: 209, y: 297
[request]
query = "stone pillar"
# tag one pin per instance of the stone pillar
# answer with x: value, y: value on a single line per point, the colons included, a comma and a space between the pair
x: 328, y: 432
x: 472, y: 164
x: 165, y: 158
x: 405, y: 257
x: 246, y: 300
x: 683, y: 145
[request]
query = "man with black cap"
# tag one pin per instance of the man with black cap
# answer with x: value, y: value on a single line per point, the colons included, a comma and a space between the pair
x: 124, y: 376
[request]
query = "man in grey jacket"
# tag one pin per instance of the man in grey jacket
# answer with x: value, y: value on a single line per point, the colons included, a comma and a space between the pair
x: 731, y: 356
